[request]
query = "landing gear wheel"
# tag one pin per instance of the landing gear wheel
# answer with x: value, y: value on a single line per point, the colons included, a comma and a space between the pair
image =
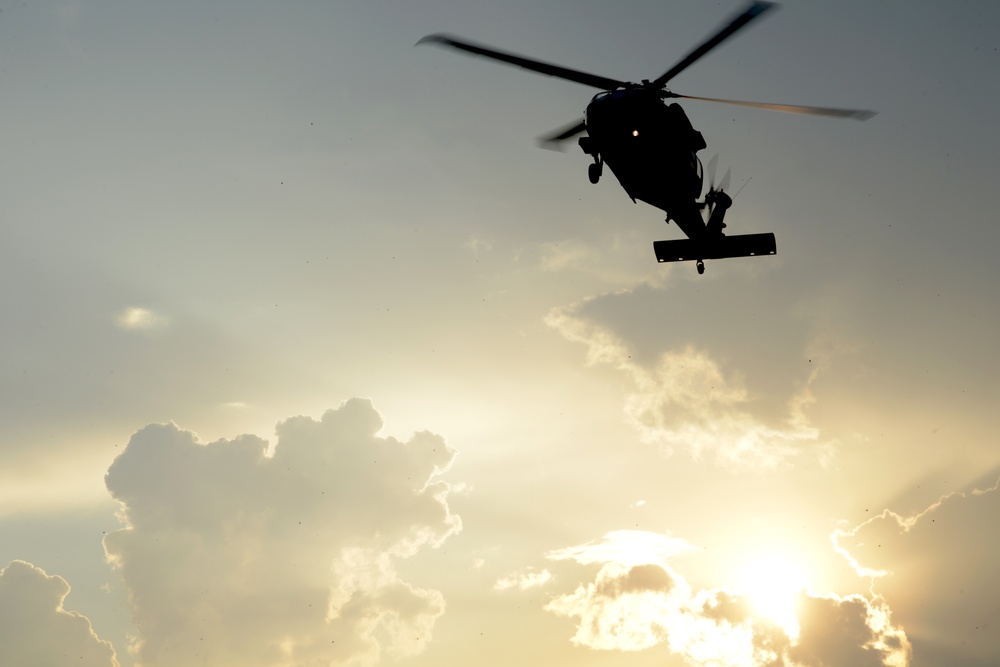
x: 701, y: 267
x: 594, y: 171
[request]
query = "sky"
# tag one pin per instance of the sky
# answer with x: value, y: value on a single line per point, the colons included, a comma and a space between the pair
x: 312, y: 357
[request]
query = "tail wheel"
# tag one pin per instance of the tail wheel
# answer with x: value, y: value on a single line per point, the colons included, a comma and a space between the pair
x: 594, y: 171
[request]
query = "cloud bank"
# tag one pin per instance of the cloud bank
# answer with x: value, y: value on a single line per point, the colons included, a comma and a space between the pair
x: 633, y: 606
x: 35, y: 629
x: 234, y: 556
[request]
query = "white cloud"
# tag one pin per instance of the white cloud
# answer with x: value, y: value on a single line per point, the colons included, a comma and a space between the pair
x: 524, y: 580
x: 37, y: 630
x: 625, y: 608
x: 632, y: 606
x: 139, y: 319
x: 684, y: 401
x: 234, y: 557
x: 627, y: 547
x: 952, y: 549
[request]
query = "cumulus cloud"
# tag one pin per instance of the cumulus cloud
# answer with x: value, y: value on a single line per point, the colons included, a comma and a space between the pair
x: 35, y: 628
x: 951, y: 549
x: 632, y: 606
x: 848, y: 631
x: 684, y: 401
x: 234, y: 556
x: 627, y: 608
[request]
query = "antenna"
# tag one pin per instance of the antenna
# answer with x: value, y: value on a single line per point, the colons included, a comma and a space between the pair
x: 741, y: 187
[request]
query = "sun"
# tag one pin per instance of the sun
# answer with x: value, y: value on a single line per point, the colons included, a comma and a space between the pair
x: 773, y: 583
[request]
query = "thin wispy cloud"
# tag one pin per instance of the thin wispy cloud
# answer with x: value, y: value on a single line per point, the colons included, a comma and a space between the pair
x: 524, y: 580
x: 139, y: 319
x: 566, y: 254
x: 628, y: 547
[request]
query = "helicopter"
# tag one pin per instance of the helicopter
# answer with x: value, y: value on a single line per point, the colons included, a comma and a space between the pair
x: 652, y: 148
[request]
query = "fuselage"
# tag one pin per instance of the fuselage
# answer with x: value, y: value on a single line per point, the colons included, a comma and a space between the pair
x: 650, y: 146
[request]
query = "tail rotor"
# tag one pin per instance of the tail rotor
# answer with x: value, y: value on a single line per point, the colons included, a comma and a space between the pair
x: 716, y: 197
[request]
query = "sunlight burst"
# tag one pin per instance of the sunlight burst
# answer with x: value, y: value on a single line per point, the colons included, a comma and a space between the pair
x: 773, y: 583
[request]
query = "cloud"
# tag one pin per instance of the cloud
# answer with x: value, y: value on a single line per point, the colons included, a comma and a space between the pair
x: 952, y: 549
x: 564, y: 255
x: 626, y: 608
x: 848, y: 631
x: 479, y: 246
x: 139, y: 319
x: 35, y: 628
x: 683, y: 401
x: 629, y: 547
x: 231, y: 556
x: 524, y: 580
x: 631, y: 606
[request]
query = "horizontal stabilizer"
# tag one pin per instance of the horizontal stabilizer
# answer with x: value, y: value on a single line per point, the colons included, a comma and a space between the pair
x: 719, y: 247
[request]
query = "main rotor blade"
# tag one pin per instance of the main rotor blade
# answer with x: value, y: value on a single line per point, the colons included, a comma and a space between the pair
x: 551, y: 140
x: 857, y: 114
x: 749, y: 14
x: 601, y: 82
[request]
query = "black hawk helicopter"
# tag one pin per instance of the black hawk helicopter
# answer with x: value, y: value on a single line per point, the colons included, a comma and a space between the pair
x: 651, y: 146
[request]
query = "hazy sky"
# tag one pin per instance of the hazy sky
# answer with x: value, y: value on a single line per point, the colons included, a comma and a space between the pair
x: 310, y: 356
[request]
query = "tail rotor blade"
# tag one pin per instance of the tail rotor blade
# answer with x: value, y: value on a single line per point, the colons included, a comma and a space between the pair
x: 710, y: 171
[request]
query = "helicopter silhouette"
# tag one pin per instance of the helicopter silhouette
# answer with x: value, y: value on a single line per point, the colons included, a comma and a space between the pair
x: 651, y: 146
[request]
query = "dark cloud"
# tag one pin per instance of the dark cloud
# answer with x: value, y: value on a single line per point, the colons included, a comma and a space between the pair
x: 726, y: 606
x: 647, y: 578
x: 624, y: 608
x: 638, y: 579
x: 232, y: 556
x: 35, y: 629
x: 847, y: 631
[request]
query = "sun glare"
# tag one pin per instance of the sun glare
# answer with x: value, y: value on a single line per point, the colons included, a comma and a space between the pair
x: 773, y: 583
